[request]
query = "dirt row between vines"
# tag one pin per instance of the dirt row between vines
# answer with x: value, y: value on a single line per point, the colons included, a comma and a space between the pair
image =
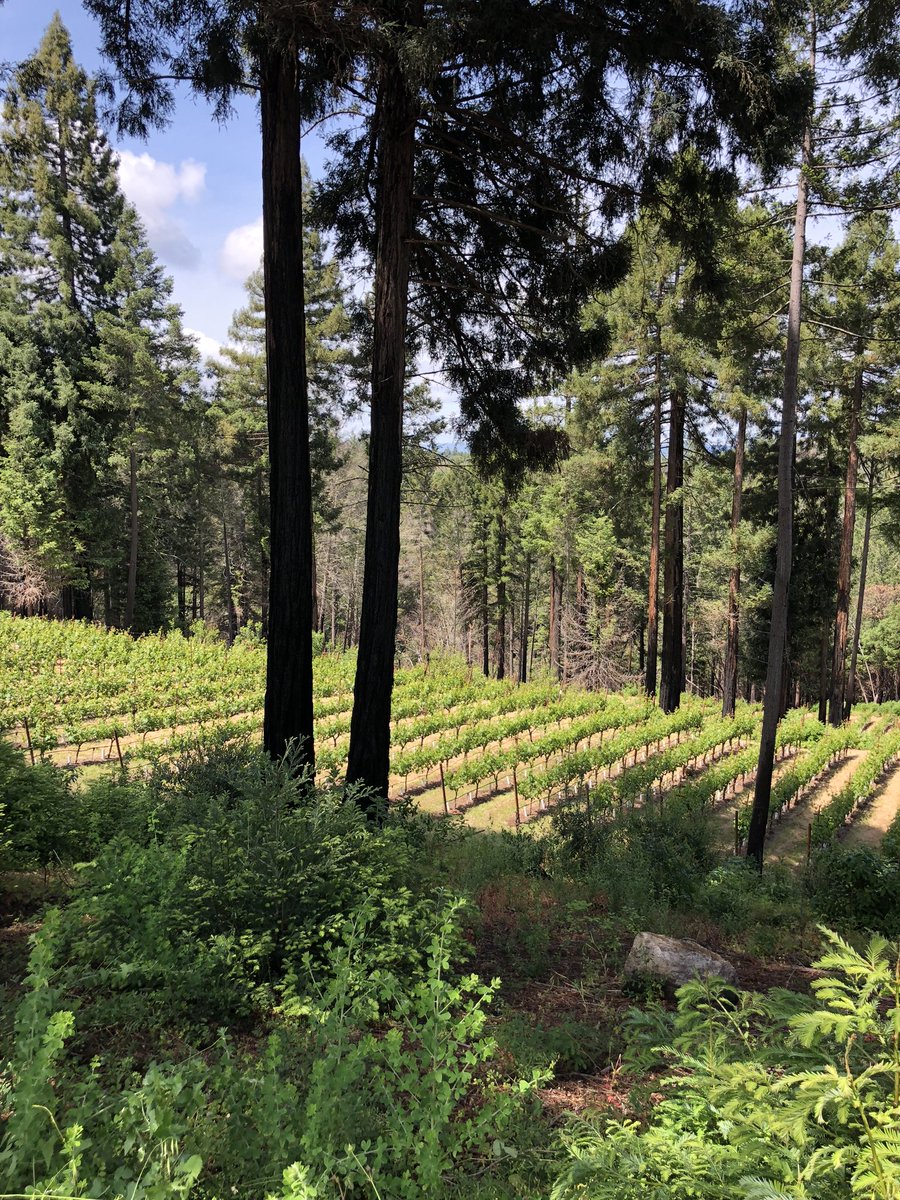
x: 788, y: 840
x: 873, y: 820
x: 495, y: 808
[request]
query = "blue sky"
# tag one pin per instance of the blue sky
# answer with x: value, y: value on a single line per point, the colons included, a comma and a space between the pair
x: 196, y: 184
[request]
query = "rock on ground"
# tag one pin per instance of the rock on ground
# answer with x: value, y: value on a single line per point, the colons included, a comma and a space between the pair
x: 674, y: 961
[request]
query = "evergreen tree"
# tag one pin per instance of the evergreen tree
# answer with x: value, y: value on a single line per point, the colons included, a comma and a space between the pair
x: 60, y: 214
x: 98, y: 373
x: 144, y: 386
x: 854, y: 308
x: 240, y: 404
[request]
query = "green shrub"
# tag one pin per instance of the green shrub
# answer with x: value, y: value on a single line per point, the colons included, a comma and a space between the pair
x: 857, y: 887
x: 40, y: 814
x: 762, y: 906
x: 642, y: 860
x: 379, y: 1085
x: 769, y: 1097
x: 238, y: 887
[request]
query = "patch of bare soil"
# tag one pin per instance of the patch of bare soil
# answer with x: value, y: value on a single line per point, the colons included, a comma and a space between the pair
x: 722, y: 815
x: 787, y: 841
x: 872, y: 823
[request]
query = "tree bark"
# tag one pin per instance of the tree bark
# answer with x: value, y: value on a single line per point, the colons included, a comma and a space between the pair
x: 759, y: 816
x: 485, y: 618
x: 500, y: 567
x: 526, y: 619
x: 131, y: 587
x: 229, y: 588
x: 653, y: 586
x: 370, y: 729
x: 845, y: 562
x: 289, y: 699
x: 422, y: 633
x: 860, y: 598
x: 823, y: 672
x: 672, y: 669
x: 181, y: 588
x: 263, y: 557
x: 729, y: 681
x: 555, y: 604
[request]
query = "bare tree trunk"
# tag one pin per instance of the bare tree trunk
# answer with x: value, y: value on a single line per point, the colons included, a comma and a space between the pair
x: 861, y: 594
x: 729, y: 682
x: 370, y: 730
x: 500, y: 566
x: 263, y: 557
x: 759, y: 816
x: 289, y: 699
x: 181, y: 588
x: 201, y: 582
x: 315, y: 581
x: 523, y: 640
x: 107, y: 600
x: 653, y: 587
x: 131, y: 590
x: 554, y: 618
x: 823, y: 673
x: 672, y: 669
x: 485, y: 607
x: 229, y: 586
x: 423, y: 639
x: 845, y: 562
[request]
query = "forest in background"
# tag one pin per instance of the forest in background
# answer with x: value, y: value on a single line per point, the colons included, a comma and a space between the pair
x: 134, y: 482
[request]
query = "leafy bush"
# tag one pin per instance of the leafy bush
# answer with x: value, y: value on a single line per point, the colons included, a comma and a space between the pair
x: 764, y: 907
x: 381, y: 1086
x: 856, y: 886
x: 771, y: 1097
x: 641, y: 860
x: 40, y: 815
x: 238, y: 888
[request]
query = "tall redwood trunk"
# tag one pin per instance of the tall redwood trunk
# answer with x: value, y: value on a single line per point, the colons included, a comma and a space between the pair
x: 131, y: 588
x: 423, y: 637
x: 653, y: 586
x: 485, y: 609
x: 370, y: 729
x: 289, y: 698
x: 500, y: 567
x: 845, y: 562
x: 526, y: 620
x: 729, y: 681
x: 314, y: 572
x: 555, y: 605
x: 229, y: 588
x: 823, y: 672
x: 672, y: 669
x: 861, y: 595
x: 181, y: 589
x: 759, y: 816
x: 263, y: 556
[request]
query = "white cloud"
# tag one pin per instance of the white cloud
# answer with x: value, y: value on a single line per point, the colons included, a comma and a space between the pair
x: 242, y: 250
x: 153, y: 187
x: 208, y: 346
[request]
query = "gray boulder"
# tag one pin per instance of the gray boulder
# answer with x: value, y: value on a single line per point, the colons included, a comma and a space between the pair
x: 674, y: 961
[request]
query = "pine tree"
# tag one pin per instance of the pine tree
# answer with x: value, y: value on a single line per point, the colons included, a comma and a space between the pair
x: 240, y: 403
x: 854, y: 309
x: 145, y: 383
x: 98, y: 374
x: 60, y: 212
